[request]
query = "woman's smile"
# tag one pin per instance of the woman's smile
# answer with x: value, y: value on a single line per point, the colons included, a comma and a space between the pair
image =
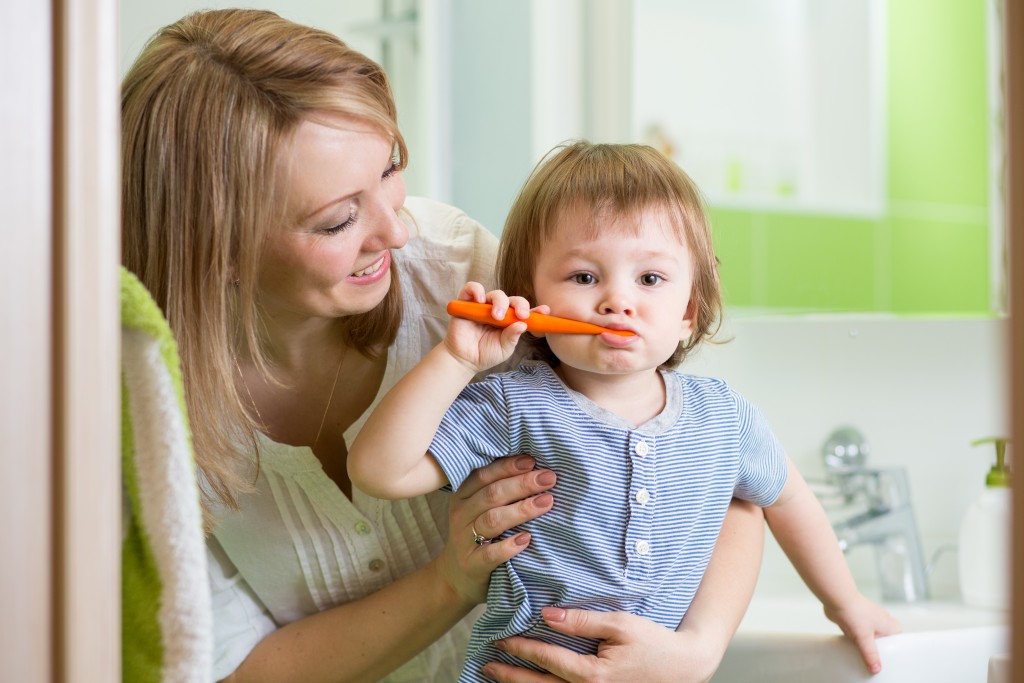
x: 372, y: 273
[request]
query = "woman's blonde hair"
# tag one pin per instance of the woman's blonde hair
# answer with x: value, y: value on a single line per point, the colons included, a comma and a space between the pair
x: 207, y: 108
x: 609, y: 182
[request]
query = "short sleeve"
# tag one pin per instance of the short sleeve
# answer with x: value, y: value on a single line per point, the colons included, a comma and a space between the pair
x: 240, y: 621
x: 763, y: 464
x: 474, y: 431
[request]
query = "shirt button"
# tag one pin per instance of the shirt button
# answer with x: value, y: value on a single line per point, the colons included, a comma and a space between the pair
x: 376, y: 565
x: 642, y: 547
x: 362, y: 527
x: 642, y: 449
x: 642, y: 496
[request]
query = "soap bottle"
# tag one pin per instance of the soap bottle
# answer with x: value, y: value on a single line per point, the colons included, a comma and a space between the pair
x: 984, y: 556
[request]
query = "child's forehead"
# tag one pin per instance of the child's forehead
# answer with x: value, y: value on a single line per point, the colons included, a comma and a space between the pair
x: 594, y: 221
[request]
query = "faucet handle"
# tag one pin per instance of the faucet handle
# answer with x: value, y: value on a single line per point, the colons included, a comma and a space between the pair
x: 845, y: 449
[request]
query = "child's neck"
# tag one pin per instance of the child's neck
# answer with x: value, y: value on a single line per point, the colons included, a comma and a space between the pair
x: 635, y: 397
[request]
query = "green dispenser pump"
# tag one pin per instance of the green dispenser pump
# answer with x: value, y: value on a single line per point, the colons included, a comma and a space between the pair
x: 999, y: 474
x: 984, y: 557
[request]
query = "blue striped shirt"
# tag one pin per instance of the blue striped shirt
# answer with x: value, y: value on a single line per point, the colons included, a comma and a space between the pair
x: 637, y: 509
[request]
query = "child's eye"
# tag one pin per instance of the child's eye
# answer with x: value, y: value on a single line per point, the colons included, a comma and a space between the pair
x: 650, y: 279
x: 583, y: 278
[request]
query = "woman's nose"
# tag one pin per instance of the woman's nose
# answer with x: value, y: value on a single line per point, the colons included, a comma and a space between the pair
x: 389, y: 231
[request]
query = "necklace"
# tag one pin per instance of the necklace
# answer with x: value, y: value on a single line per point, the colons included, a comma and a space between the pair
x: 327, y: 408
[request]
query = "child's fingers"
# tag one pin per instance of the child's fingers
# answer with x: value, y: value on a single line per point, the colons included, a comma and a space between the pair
x: 520, y: 305
x: 869, y: 652
x: 472, y: 291
x: 510, y: 336
x: 499, y: 303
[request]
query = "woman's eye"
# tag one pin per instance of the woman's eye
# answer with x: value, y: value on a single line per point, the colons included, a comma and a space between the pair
x: 650, y: 279
x: 353, y: 215
x: 583, y: 278
x: 392, y: 169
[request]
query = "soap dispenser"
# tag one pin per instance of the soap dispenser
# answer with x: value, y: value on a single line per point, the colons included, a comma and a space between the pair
x: 984, y: 556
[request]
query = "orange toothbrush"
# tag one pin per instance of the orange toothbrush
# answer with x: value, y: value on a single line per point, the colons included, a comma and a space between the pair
x: 537, y: 322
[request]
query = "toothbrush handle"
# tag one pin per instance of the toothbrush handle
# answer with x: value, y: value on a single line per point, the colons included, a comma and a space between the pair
x: 537, y: 322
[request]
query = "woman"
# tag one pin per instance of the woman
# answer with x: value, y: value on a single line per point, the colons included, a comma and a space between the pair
x: 264, y: 209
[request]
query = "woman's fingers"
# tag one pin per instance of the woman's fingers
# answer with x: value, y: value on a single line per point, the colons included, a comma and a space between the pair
x: 504, y: 494
x: 506, y: 673
x: 558, y: 661
x: 491, y: 500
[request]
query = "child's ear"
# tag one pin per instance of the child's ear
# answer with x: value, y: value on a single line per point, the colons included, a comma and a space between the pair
x: 689, y: 319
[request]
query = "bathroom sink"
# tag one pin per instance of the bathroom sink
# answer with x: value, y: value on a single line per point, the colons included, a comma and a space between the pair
x: 789, y: 639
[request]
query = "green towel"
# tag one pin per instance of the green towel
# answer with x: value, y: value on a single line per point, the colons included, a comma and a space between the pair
x: 166, y: 615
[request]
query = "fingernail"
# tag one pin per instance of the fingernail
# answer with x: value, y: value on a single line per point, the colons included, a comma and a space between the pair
x: 501, y: 645
x: 553, y: 614
x: 544, y: 500
x: 546, y: 478
x: 489, y: 671
x: 524, y: 463
x: 522, y: 539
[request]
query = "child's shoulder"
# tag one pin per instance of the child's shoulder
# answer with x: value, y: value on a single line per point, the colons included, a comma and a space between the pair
x: 701, y: 382
x: 520, y: 372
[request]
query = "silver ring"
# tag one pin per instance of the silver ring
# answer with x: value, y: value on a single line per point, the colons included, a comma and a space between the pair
x: 478, y: 539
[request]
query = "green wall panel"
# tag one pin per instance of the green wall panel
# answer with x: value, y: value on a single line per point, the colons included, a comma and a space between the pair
x: 820, y: 263
x: 935, y: 267
x: 938, y: 106
x: 734, y: 245
x: 928, y: 252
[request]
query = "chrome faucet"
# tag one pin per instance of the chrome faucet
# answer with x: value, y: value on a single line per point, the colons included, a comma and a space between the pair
x: 883, y: 517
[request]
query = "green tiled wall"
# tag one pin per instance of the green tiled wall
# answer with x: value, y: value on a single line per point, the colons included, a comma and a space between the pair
x: 928, y: 253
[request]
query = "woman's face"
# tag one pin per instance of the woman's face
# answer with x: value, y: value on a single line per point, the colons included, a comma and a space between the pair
x: 342, y: 193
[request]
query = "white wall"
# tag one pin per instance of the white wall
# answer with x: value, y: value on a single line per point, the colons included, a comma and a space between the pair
x: 920, y: 390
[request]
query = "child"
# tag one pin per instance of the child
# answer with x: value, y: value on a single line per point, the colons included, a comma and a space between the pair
x: 647, y: 458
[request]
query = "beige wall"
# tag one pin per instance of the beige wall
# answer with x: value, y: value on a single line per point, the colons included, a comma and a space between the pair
x: 59, y: 402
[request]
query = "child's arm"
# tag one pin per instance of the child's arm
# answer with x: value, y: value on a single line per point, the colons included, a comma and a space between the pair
x: 799, y: 524
x: 389, y: 457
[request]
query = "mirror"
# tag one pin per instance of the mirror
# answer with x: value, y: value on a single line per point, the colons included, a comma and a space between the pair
x: 850, y: 150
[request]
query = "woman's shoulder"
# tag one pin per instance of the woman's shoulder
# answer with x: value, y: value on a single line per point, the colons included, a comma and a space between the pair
x: 446, y: 247
x: 442, y: 223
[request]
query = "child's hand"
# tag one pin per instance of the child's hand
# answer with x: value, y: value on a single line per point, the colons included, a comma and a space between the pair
x: 862, y: 621
x: 484, y: 346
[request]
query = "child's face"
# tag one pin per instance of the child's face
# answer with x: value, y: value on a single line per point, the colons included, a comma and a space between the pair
x: 618, y: 279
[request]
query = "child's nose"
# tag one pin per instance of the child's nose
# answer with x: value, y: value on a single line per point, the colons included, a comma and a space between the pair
x: 616, y: 302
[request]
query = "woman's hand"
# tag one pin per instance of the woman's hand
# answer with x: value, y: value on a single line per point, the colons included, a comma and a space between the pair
x: 637, y: 649
x: 491, y: 501
x: 632, y: 649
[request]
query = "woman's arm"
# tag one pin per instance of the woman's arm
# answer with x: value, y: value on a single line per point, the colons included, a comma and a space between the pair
x: 637, y: 649
x: 365, y: 639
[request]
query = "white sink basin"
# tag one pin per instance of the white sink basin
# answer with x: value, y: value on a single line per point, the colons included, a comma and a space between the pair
x: 790, y: 640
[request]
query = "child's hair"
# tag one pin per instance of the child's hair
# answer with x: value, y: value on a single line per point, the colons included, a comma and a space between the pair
x: 610, y: 181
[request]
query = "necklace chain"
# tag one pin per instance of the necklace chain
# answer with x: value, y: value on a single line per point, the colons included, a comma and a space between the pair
x: 327, y: 408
